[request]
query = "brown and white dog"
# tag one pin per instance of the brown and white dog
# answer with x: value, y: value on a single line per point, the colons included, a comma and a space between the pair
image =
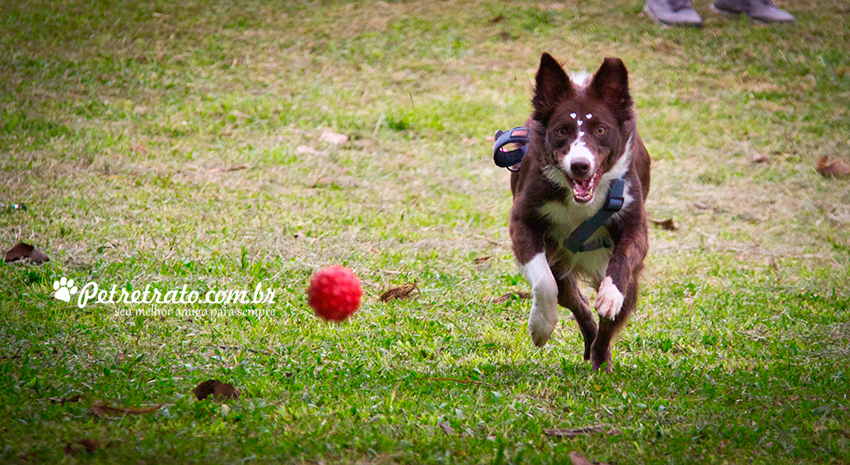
x: 583, y: 136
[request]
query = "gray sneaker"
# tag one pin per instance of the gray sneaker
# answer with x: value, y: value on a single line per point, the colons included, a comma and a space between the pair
x: 673, y: 13
x: 763, y: 11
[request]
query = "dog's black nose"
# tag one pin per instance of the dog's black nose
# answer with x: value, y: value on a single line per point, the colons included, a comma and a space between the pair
x: 580, y: 168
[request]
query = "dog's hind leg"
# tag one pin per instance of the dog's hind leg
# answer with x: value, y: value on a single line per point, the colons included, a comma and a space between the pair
x: 600, y: 351
x: 569, y: 296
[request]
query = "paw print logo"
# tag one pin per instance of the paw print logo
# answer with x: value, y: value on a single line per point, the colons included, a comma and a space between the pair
x: 64, y: 289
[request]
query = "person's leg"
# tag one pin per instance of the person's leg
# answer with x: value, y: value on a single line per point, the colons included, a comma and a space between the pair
x: 673, y: 13
x: 757, y: 10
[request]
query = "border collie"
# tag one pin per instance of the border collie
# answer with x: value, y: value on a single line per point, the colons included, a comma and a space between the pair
x: 583, y: 146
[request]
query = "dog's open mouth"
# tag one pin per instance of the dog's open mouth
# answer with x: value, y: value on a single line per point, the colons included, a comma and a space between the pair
x: 583, y: 188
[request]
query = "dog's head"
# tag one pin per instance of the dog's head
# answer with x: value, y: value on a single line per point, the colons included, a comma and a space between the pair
x: 583, y: 127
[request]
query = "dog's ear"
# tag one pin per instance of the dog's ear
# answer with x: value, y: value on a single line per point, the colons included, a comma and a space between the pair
x: 552, y: 85
x: 611, y: 86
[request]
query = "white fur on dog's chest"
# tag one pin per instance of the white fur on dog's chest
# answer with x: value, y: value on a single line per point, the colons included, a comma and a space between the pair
x: 564, y: 220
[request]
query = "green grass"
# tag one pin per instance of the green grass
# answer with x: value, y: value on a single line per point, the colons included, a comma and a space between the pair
x: 157, y: 144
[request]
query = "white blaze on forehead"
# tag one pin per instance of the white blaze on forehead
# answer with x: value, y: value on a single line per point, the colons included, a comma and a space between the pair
x: 573, y: 115
x: 579, y: 151
x: 588, y: 116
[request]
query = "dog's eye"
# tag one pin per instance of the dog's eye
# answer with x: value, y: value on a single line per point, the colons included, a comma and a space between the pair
x: 562, y: 131
x: 600, y: 130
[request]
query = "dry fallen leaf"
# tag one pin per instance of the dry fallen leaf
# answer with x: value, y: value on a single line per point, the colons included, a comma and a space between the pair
x: 481, y: 260
x: 304, y: 150
x: 239, y: 167
x: 669, y: 224
x: 102, y: 410
x: 89, y: 445
x: 759, y: 158
x: 65, y: 400
x: 26, y: 252
x: 573, y: 432
x: 447, y: 428
x: 832, y: 168
x: 333, y: 137
x: 215, y: 388
x: 322, y: 182
x: 400, y: 293
x: 512, y: 296
x: 578, y: 459
x: 138, y: 148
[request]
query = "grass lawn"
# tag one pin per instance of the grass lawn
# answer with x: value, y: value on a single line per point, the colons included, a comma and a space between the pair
x: 171, y: 144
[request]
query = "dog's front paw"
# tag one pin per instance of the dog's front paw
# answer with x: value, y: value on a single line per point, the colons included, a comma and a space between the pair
x: 541, y: 325
x: 609, y: 299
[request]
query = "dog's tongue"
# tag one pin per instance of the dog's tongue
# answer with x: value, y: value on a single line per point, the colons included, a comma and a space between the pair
x: 583, y: 189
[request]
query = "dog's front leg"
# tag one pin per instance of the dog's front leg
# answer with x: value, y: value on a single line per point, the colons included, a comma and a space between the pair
x: 623, y: 269
x: 544, y: 292
x: 617, y: 295
x: 529, y: 252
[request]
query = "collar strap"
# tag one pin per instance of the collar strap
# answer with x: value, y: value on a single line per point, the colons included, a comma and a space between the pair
x: 577, y: 240
x: 510, y: 147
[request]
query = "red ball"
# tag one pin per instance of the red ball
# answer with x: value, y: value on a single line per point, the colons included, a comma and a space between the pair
x: 334, y: 293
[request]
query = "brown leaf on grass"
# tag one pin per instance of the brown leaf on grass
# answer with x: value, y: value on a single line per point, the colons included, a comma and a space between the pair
x: 832, y: 168
x: 89, y: 445
x: 701, y: 206
x: 102, y: 410
x: 573, y: 432
x: 215, y: 388
x: 65, y: 400
x: 512, y: 296
x: 759, y: 158
x: 333, y: 137
x: 246, y: 166
x: 400, y: 293
x: 669, y: 224
x: 578, y: 459
x: 305, y: 150
x: 322, y: 181
x: 481, y: 260
x: 138, y: 148
x: 447, y: 428
x: 26, y: 252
